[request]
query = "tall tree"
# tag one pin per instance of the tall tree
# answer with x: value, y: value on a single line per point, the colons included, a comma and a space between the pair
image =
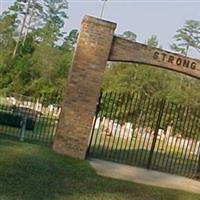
x: 187, y: 37
x: 22, y: 26
x: 7, y: 44
x: 25, y: 11
x: 55, y: 15
x: 129, y: 35
x: 152, y: 41
x: 71, y: 39
x: 32, y: 15
x: 41, y: 63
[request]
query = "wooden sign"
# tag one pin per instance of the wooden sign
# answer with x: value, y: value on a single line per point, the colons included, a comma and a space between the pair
x: 124, y: 50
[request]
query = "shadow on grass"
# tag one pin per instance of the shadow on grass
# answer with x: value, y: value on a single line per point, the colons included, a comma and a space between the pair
x: 33, y: 172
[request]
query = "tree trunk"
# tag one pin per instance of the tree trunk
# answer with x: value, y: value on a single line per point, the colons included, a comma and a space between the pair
x: 22, y: 29
x: 29, y: 22
x: 187, y: 49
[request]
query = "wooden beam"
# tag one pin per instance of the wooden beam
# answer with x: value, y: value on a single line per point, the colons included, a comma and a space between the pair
x: 124, y: 50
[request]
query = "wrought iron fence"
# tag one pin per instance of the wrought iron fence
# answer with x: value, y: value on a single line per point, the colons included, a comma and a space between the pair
x: 147, y: 132
x: 29, y: 119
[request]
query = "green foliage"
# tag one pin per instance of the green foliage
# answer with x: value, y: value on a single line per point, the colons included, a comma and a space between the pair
x: 129, y: 35
x: 72, y: 37
x: 42, y: 61
x: 152, y: 82
x: 152, y: 41
x: 187, y: 37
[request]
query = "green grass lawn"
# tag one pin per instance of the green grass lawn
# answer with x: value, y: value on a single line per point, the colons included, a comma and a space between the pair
x: 34, y: 172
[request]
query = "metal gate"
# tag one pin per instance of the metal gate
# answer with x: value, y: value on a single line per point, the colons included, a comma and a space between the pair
x: 29, y: 119
x: 147, y: 132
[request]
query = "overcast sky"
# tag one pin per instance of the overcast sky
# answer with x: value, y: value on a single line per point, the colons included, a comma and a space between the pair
x: 144, y: 17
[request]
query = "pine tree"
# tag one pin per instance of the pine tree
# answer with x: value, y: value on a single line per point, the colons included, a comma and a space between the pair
x: 187, y: 37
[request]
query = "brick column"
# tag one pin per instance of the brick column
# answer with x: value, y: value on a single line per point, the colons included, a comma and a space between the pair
x: 83, y: 87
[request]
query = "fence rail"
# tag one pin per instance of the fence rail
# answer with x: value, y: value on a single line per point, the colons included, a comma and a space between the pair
x: 147, y: 132
x: 29, y: 119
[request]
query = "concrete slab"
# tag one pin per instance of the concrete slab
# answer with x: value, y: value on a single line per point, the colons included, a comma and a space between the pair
x: 144, y: 176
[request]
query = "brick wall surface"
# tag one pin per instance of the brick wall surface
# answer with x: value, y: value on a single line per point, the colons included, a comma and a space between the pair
x: 83, y: 87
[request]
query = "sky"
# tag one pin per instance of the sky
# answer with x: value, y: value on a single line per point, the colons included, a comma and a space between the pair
x: 145, y: 17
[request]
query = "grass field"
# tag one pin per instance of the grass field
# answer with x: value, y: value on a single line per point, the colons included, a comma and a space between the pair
x: 34, y: 172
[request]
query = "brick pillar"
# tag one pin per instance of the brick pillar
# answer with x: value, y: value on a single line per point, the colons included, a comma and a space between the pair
x: 82, y: 91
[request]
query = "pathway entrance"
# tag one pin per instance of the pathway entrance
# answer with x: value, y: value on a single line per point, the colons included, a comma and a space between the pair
x: 147, y: 132
x: 148, y: 177
x: 153, y: 133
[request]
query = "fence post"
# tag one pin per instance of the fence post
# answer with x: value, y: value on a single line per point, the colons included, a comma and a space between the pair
x: 162, y: 106
x: 23, y: 130
x: 198, y: 167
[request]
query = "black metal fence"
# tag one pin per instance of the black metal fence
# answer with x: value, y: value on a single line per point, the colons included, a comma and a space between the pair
x: 29, y: 119
x: 147, y: 132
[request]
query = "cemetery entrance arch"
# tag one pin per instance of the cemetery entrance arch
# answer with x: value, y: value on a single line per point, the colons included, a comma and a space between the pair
x: 96, y: 45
